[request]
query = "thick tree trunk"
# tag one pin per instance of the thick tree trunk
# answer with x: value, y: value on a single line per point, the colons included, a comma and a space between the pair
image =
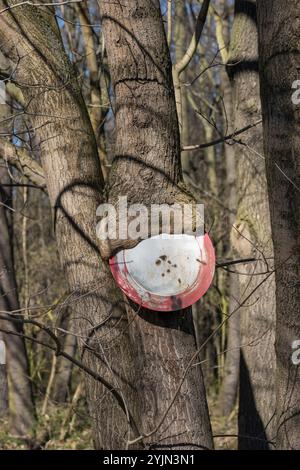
x: 74, y: 181
x: 279, y: 49
x: 147, y: 168
x: 21, y: 404
x: 252, y: 237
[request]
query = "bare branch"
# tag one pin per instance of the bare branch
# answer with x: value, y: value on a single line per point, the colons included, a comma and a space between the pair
x: 185, y: 60
x: 221, y: 139
x: 20, y: 159
x: 169, y: 36
x: 33, y: 4
x: 222, y: 263
x: 59, y: 352
x: 181, y: 65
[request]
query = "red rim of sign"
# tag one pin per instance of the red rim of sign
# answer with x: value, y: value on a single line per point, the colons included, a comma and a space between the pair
x: 162, y: 303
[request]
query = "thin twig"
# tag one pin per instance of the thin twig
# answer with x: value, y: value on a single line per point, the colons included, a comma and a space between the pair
x: 221, y: 139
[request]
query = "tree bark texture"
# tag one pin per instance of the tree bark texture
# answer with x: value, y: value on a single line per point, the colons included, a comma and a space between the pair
x: 147, y: 169
x: 279, y: 52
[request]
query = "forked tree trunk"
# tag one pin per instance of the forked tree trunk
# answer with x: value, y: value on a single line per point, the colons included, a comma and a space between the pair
x: 279, y: 51
x: 252, y: 237
x: 147, y: 165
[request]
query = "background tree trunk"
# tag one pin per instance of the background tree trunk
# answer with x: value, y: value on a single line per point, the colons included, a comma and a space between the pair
x: 98, y: 87
x: 62, y: 382
x: 279, y: 52
x: 252, y: 237
x: 180, y: 42
x: 21, y: 404
x: 229, y: 389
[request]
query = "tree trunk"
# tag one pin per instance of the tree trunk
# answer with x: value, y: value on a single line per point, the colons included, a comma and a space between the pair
x: 279, y: 49
x: 180, y: 33
x: 146, y: 168
x: 252, y: 237
x: 62, y: 381
x: 74, y: 181
x: 229, y: 390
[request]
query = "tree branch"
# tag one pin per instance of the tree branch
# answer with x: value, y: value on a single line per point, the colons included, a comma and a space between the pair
x: 20, y: 159
x: 221, y: 263
x: 200, y: 22
x: 182, y: 64
x: 59, y: 352
x: 221, y: 139
x: 28, y: 2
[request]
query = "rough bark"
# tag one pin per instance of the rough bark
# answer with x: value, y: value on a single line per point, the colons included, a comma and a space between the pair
x: 147, y: 147
x: 147, y: 168
x: 252, y: 237
x: 72, y: 171
x: 279, y: 51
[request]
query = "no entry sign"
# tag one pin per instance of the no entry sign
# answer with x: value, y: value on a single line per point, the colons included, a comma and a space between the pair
x: 166, y: 272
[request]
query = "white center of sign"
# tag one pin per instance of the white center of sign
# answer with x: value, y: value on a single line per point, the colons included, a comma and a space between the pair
x: 165, y: 264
